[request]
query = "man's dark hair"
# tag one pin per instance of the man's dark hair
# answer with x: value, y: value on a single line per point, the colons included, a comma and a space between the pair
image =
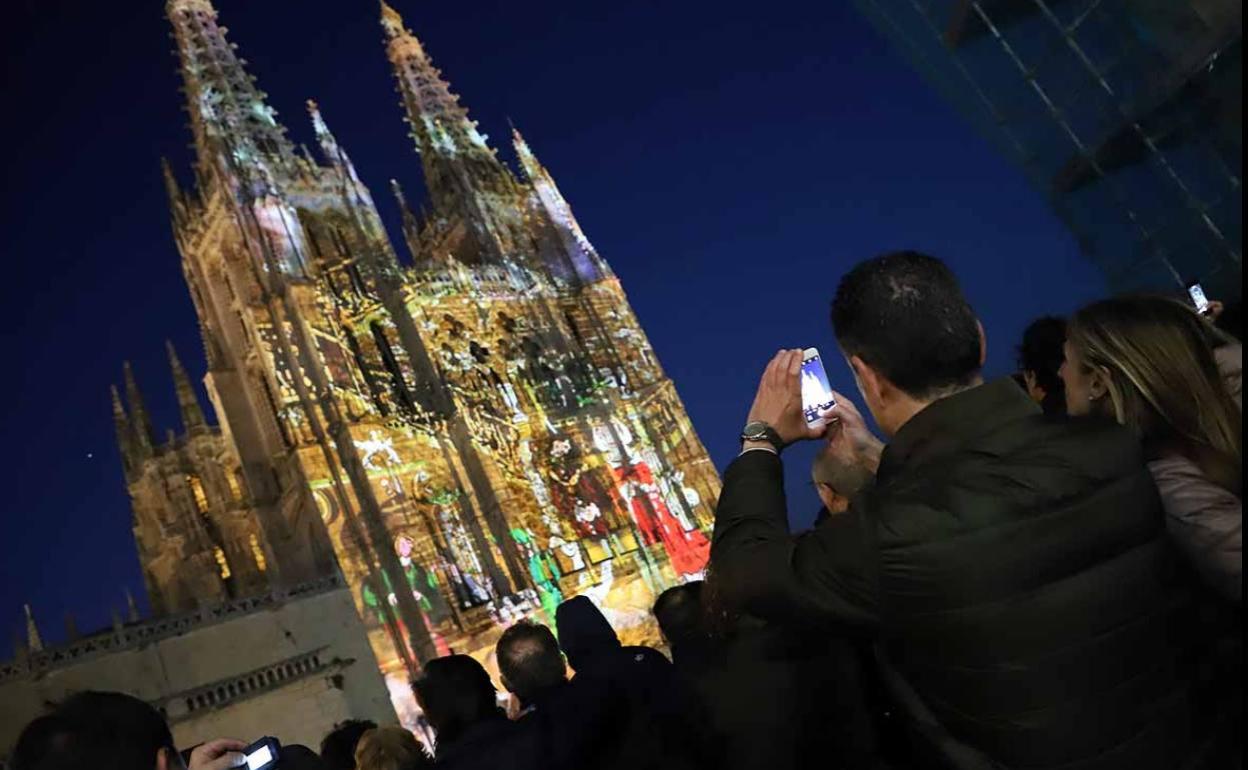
x: 1041, y: 354
x: 530, y: 660
x: 338, y: 745
x: 679, y: 613
x: 95, y: 731
x: 905, y: 315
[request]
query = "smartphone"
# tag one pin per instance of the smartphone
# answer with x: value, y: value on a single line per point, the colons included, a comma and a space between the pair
x: 816, y: 392
x: 1197, y: 293
x: 263, y: 754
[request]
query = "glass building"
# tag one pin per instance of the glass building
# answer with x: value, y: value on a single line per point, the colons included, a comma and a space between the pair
x: 1126, y: 114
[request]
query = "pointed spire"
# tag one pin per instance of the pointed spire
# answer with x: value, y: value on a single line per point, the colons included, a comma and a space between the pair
x: 229, y: 116
x: 140, y: 423
x: 71, y: 627
x: 411, y: 227
x: 177, y: 202
x: 457, y: 161
x: 125, y: 434
x: 34, y: 642
x: 188, y: 403
x: 131, y: 608
x: 578, y: 253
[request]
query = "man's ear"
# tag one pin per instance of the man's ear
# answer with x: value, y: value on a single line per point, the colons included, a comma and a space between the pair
x: 983, y: 343
x: 869, y: 382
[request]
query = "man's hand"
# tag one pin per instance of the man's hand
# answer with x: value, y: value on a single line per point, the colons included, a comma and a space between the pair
x: 779, y: 399
x: 217, y: 755
x: 850, y: 443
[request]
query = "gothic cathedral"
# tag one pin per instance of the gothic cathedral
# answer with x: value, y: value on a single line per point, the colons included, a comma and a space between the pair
x: 468, y: 441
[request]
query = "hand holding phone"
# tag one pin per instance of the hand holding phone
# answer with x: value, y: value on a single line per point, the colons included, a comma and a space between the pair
x: 263, y: 754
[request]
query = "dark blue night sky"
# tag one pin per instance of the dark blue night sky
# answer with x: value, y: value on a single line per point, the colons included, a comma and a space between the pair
x: 731, y: 160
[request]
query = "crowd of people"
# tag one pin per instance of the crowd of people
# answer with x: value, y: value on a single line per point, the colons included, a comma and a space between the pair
x: 1043, y: 572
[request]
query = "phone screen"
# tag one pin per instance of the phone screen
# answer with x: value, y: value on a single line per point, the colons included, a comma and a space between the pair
x: 816, y: 392
x: 259, y: 758
x: 1197, y: 293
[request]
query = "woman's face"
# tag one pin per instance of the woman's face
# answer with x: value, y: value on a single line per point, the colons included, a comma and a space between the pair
x: 1079, y: 381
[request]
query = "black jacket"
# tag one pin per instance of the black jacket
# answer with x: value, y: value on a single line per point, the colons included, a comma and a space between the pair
x: 1015, y: 570
x: 634, y: 686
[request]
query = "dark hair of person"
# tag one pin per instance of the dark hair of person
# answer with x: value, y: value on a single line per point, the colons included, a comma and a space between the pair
x: 456, y: 693
x: 904, y: 315
x: 1041, y: 354
x: 1164, y: 382
x: 94, y: 731
x: 679, y: 613
x: 529, y: 659
x: 338, y: 745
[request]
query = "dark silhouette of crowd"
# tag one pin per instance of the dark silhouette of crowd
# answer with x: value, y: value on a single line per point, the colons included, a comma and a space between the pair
x: 1037, y: 573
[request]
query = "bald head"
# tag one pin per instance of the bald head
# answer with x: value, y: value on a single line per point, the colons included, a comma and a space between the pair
x: 530, y: 660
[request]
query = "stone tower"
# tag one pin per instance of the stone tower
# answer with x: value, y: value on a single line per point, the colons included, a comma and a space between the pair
x: 468, y: 440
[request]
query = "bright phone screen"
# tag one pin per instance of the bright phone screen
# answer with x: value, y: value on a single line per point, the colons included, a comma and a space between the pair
x: 1198, y: 297
x: 816, y: 392
x: 259, y: 758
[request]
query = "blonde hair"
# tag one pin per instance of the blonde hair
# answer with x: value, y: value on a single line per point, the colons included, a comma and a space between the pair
x: 390, y: 748
x: 1163, y: 380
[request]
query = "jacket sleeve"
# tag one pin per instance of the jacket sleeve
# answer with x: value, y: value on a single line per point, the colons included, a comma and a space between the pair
x: 1205, y: 521
x: 826, y: 575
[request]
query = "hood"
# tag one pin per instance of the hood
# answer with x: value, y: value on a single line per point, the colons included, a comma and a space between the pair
x: 583, y: 631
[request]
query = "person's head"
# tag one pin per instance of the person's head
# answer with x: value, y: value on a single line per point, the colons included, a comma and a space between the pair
x: 831, y: 479
x: 584, y: 632
x: 456, y: 693
x: 338, y: 746
x: 1039, y: 359
x: 390, y: 748
x: 98, y: 731
x: 678, y: 611
x: 529, y: 660
x: 908, y: 333
x: 1146, y: 362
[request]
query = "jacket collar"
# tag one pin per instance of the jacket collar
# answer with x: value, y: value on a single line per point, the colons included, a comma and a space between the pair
x: 946, y: 424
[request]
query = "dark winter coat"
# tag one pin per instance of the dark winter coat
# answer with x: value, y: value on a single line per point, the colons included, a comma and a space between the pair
x: 1015, y: 570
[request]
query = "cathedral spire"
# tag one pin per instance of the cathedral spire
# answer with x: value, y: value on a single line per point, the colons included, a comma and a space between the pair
x: 140, y: 423
x: 188, y: 403
x: 458, y: 163
x: 177, y: 201
x: 34, y: 642
x: 125, y: 434
x: 229, y: 117
x: 578, y: 253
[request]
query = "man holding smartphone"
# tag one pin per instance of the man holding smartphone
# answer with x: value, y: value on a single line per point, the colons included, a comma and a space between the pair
x: 1014, y: 571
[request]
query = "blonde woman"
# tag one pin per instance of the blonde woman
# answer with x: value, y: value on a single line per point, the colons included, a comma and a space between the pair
x: 390, y: 748
x: 1147, y: 362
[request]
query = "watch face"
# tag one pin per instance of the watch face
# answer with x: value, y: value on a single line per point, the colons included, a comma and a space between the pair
x: 756, y: 430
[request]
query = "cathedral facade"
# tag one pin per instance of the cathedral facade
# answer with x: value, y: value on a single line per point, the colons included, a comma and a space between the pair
x: 467, y: 441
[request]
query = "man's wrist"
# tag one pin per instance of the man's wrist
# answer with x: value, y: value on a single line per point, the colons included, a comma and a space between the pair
x: 752, y: 446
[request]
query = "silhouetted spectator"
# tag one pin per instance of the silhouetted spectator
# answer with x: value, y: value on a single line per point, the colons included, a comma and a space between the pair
x: 1015, y: 569
x: 459, y: 699
x: 678, y: 611
x: 112, y: 731
x: 1146, y: 362
x: 570, y: 725
x: 390, y: 748
x: 338, y: 746
x: 653, y: 728
x: 1039, y: 358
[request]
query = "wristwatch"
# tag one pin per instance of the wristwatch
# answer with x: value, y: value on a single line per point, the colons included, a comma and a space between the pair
x: 761, y: 431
